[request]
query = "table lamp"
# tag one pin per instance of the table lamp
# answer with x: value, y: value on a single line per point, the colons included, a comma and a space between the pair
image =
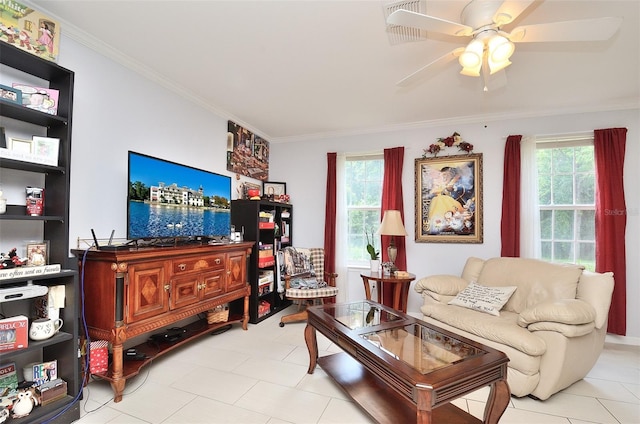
x: 391, y: 225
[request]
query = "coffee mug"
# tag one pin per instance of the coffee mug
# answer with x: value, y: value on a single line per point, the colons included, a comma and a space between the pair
x: 44, y: 328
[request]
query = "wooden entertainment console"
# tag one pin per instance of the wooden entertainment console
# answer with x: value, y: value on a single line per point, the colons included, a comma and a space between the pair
x: 131, y: 292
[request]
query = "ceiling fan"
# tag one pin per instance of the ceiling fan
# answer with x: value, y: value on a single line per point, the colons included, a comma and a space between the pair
x: 490, y: 47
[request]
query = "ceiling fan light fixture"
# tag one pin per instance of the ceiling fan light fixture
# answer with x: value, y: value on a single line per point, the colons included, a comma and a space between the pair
x: 500, y: 49
x: 495, y: 67
x: 471, y: 72
x: 472, y: 55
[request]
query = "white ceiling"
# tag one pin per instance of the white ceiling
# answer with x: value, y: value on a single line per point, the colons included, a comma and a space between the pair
x: 299, y: 69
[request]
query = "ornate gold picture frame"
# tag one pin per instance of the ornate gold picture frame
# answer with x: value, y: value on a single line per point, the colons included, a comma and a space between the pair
x: 449, y: 199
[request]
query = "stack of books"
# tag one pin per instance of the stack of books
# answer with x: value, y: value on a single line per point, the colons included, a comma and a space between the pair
x: 265, y: 282
x: 265, y: 255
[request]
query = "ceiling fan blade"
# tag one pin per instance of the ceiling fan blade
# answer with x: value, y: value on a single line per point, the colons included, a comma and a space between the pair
x: 429, y: 23
x: 422, y: 72
x: 598, y: 29
x: 510, y: 10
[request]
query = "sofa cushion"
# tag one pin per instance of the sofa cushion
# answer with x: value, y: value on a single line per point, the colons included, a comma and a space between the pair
x: 596, y: 289
x: 537, y: 281
x: 525, y: 364
x: 472, y: 269
x: 502, y: 329
x: 568, y: 311
x: 482, y: 298
x: 448, y: 285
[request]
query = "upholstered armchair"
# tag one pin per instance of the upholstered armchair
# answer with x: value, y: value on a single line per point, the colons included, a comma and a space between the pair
x: 304, y: 280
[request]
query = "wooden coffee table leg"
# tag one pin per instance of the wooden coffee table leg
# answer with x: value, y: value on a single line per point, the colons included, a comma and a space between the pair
x: 497, y: 402
x: 312, y: 346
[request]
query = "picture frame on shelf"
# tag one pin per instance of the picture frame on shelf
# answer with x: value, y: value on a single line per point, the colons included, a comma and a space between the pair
x: 39, y: 98
x: 21, y: 145
x: 38, y: 253
x: 449, y: 199
x: 46, y: 148
x: 274, y: 189
x: 10, y: 94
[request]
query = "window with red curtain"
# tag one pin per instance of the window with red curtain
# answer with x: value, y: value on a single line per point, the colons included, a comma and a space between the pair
x: 611, y: 219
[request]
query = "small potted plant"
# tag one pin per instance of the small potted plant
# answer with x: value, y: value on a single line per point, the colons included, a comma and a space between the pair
x: 374, y: 255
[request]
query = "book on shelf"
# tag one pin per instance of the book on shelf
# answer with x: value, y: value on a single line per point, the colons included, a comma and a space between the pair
x: 14, y: 333
x: 266, y: 261
x: 8, y: 379
x: 28, y: 271
x: 45, y: 372
x: 265, y: 277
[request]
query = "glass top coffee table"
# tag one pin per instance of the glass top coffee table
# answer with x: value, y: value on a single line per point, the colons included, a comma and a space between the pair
x: 400, y: 369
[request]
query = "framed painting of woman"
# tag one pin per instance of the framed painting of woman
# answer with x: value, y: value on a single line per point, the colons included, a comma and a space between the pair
x: 449, y: 199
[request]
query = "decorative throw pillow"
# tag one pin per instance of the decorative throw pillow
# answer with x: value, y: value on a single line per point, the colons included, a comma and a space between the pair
x: 482, y: 298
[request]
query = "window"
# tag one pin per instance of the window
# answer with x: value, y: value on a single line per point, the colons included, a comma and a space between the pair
x: 363, y: 176
x: 566, y: 198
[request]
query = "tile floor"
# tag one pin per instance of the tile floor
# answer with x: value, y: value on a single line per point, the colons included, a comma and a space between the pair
x: 260, y: 376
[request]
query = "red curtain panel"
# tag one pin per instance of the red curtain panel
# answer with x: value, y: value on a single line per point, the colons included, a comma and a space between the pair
x: 510, y: 224
x: 392, y: 200
x: 330, y: 216
x: 611, y: 219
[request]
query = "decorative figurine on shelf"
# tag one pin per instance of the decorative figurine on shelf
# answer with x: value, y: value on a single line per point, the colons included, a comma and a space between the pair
x: 11, y: 260
x: 24, y: 404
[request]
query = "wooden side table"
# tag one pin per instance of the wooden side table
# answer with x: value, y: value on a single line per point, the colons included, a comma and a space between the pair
x: 400, y: 287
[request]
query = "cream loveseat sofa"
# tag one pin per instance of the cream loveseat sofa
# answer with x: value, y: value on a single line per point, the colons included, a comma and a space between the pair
x: 552, y: 328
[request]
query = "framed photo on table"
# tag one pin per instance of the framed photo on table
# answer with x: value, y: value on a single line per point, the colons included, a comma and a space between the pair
x: 449, y: 199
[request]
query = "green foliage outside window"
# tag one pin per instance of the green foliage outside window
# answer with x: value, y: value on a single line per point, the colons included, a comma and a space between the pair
x: 566, y: 196
x: 364, y: 197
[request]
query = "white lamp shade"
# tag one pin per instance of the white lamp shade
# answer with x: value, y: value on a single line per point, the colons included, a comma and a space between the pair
x: 391, y: 224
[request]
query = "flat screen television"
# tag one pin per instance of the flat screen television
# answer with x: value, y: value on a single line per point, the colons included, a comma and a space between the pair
x: 167, y: 200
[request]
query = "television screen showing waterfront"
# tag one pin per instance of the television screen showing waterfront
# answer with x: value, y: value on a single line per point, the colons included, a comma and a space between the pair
x: 166, y: 199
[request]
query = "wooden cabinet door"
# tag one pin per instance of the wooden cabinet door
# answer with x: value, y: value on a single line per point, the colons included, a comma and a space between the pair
x: 184, y: 290
x: 236, y: 271
x: 212, y: 284
x: 148, y: 290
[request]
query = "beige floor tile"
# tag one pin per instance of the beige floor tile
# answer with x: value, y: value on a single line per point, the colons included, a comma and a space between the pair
x: 218, y: 385
x: 625, y: 413
x: 208, y: 411
x: 567, y: 405
x: 145, y: 404
x: 278, y: 372
x: 602, y: 389
x: 285, y: 403
x: 344, y: 412
x: 517, y: 416
x: 319, y: 382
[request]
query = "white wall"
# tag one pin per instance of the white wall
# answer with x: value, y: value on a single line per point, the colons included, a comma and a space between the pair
x: 306, y: 177
x: 116, y: 110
